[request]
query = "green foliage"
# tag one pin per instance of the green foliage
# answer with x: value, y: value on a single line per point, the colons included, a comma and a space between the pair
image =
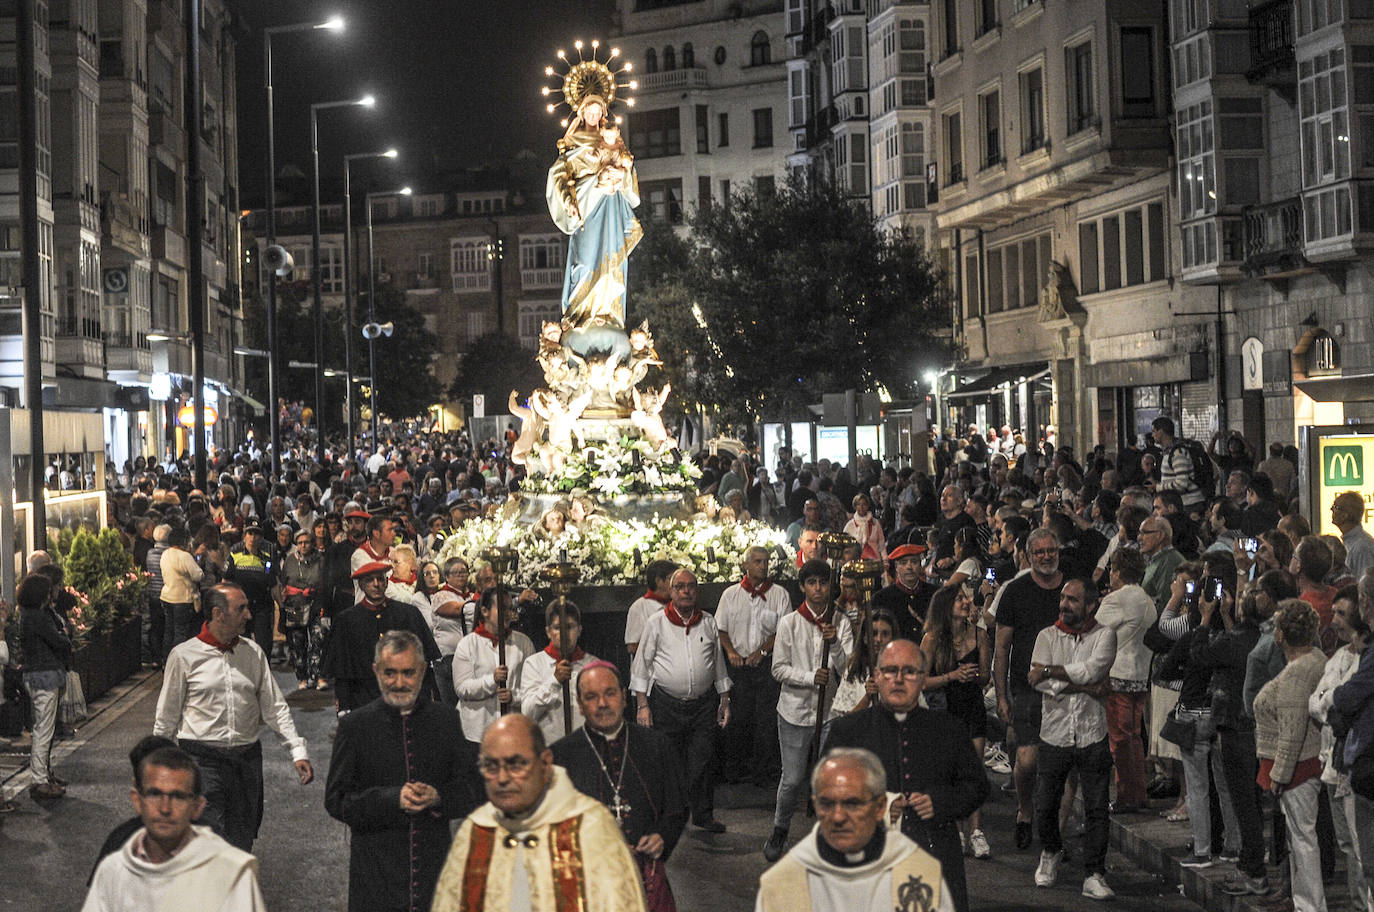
x: 800, y: 292
x: 493, y: 365
x: 102, y: 574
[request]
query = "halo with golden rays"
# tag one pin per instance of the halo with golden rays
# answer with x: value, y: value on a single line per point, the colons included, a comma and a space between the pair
x: 590, y: 74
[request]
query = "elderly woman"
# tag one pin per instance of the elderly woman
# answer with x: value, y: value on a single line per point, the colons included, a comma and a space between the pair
x: 865, y: 528
x: 47, y: 652
x: 1288, y: 744
x: 404, y: 585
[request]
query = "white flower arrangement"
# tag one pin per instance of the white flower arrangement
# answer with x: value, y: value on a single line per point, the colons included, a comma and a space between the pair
x: 620, y: 466
x: 604, y: 549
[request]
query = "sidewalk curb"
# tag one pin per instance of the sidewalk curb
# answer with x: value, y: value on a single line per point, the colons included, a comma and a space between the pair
x: 1153, y: 845
x: 100, y: 715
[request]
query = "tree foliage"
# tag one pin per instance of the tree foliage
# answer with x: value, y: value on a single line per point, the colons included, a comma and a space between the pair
x: 493, y: 365
x: 780, y: 297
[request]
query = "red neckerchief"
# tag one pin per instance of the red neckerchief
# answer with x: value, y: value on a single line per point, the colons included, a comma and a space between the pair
x: 757, y: 592
x: 662, y: 601
x: 1088, y: 625
x: 462, y: 596
x: 205, y: 636
x: 805, y: 611
x: 671, y: 611
x: 404, y: 582
x: 367, y: 546
x: 374, y: 608
x: 481, y: 630
x: 552, y: 652
x: 904, y: 589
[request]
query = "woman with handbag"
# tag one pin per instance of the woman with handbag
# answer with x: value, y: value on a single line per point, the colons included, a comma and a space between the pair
x: 47, y: 651
x: 1190, y: 728
x: 301, y: 587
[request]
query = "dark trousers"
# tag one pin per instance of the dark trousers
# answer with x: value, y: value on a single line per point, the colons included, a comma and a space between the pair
x: 232, y: 781
x: 179, y: 624
x: 1094, y: 767
x: 261, y: 624
x: 443, y: 677
x: 1241, y: 766
x: 690, y: 727
x: 153, y: 622
x: 749, y: 743
x: 943, y: 843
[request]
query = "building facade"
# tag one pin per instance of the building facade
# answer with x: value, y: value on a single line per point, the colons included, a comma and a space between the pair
x: 112, y: 211
x: 711, y: 103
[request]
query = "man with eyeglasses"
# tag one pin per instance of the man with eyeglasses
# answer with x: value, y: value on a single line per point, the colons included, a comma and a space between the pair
x: 1163, y: 559
x: 538, y: 843
x: 1026, y: 606
x: 400, y: 771
x: 928, y: 758
x: 169, y: 863
x: 851, y: 862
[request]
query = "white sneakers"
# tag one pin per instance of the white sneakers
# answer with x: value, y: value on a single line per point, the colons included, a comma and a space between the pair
x: 996, y: 759
x: 979, y: 843
x: 1095, y: 887
x: 1048, y: 870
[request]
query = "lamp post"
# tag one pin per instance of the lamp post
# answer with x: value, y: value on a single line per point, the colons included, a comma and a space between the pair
x: 348, y: 284
x: 317, y: 311
x: 372, y: 307
x: 335, y: 24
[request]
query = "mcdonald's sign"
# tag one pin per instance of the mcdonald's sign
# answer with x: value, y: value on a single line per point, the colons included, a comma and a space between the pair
x: 1339, y: 467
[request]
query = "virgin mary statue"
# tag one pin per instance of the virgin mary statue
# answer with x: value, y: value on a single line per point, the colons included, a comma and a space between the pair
x: 592, y: 191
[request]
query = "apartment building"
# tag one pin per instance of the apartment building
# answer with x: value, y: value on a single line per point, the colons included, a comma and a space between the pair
x: 480, y: 259
x: 1057, y: 217
x: 711, y: 104
x: 112, y: 213
x: 1274, y: 105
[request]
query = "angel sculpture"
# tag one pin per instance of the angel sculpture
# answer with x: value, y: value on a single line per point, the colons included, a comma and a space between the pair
x: 561, y: 419
x: 531, y: 429
x: 648, y: 418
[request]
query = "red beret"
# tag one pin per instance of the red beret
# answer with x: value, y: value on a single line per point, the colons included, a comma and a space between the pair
x: 372, y: 568
x: 906, y: 551
x: 357, y: 514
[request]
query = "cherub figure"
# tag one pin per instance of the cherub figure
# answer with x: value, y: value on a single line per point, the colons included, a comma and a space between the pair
x: 647, y: 417
x: 531, y: 429
x: 561, y: 419
x: 642, y: 343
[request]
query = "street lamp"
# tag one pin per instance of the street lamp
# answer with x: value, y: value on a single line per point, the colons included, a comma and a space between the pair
x: 333, y: 24
x: 372, y: 305
x: 317, y: 312
x: 348, y: 281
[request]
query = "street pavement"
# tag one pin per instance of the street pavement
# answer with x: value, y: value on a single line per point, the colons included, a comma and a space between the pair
x: 48, y: 849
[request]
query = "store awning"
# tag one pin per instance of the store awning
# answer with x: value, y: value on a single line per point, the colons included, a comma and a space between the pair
x: 1179, y: 368
x: 258, y: 408
x: 1345, y: 388
x: 998, y: 377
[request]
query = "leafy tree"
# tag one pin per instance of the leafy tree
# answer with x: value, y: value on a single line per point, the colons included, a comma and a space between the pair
x: 406, y: 386
x: 493, y: 365
x: 785, y: 295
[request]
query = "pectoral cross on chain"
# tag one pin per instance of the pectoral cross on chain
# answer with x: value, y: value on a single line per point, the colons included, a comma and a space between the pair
x: 620, y: 809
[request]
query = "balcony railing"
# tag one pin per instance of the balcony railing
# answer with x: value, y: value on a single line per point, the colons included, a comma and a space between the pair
x: 1271, y: 40
x: 1273, y: 237
x: 672, y: 80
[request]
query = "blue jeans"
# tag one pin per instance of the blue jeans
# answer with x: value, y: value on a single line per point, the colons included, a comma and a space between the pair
x: 794, y: 743
x: 179, y: 625
x: 1207, y: 754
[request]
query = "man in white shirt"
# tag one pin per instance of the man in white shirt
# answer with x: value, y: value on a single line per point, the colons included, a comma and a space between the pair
x: 1069, y: 667
x: 168, y: 863
x: 680, y: 680
x: 381, y: 535
x: 655, y: 596
x: 544, y: 674
x: 805, y: 682
x: 217, y: 692
x: 748, y: 616
x: 482, y: 683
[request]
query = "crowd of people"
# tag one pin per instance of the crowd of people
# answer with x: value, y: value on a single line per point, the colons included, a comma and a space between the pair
x: 1156, y: 626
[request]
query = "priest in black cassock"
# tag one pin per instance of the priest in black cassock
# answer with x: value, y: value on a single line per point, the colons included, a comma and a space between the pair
x: 401, y: 770
x: 629, y: 769
x: 348, y: 653
x: 928, y: 756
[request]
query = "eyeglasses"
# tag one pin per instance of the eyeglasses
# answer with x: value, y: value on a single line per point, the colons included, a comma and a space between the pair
x: 153, y: 794
x: 906, y: 671
x: 848, y: 805
x: 517, y: 767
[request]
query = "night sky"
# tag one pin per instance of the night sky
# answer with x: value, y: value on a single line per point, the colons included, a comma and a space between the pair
x: 457, y: 84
